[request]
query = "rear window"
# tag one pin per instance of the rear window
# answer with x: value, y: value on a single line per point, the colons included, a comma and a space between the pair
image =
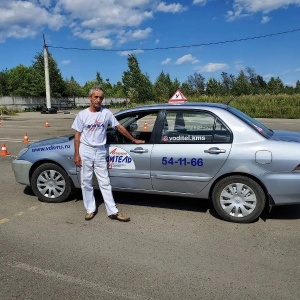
x: 256, y: 125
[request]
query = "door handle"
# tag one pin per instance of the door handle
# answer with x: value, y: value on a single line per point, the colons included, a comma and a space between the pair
x: 139, y: 150
x: 215, y: 150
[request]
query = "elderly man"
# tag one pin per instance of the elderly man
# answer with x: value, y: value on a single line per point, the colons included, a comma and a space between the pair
x: 90, y: 127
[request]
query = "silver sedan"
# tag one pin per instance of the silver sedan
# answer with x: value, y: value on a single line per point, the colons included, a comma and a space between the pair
x: 198, y: 150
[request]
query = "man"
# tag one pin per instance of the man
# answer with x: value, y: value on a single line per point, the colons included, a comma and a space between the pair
x: 90, y: 127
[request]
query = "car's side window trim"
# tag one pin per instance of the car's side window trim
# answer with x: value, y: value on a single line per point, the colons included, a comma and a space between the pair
x: 162, y: 118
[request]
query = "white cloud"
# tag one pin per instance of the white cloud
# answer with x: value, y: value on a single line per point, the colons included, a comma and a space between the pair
x: 98, y: 21
x: 126, y: 53
x: 297, y: 70
x: 22, y: 19
x: 265, y: 19
x: 166, y: 61
x: 188, y: 58
x: 102, y: 42
x: 213, y: 67
x: 133, y: 35
x: 65, y: 62
x: 170, y: 8
x: 200, y: 2
x: 243, y: 8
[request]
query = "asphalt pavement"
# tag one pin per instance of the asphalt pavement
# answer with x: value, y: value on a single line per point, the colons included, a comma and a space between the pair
x: 174, y: 248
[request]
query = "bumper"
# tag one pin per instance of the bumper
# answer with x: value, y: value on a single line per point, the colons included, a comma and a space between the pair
x: 21, y: 170
x: 284, y: 188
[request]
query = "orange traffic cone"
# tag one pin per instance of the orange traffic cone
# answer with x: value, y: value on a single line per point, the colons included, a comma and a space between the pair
x: 4, y: 151
x: 145, y: 126
x: 47, y: 124
x: 25, y: 140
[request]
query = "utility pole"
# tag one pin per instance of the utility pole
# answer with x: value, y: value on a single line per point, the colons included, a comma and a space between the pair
x: 47, y: 81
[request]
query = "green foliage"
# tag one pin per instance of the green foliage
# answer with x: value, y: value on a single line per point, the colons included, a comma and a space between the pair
x: 196, y: 83
x: 275, y: 86
x: 57, y: 84
x: 136, y: 84
x: 241, y: 86
x: 4, y: 83
x: 73, y: 88
x: 22, y: 81
x: 164, y: 87
x: 248, y: 91
x: 5, y: 111
x: 259, y: 106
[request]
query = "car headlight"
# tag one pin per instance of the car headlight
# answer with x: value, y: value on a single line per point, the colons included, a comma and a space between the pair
x: 22, y: 152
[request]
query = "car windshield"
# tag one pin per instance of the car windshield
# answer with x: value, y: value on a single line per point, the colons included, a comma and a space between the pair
x: 259, y: 127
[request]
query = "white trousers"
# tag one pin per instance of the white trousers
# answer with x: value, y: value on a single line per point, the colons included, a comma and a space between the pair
x: 94, y: 161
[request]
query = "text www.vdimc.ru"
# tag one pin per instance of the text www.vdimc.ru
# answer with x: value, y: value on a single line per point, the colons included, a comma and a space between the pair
x: 47, y: 148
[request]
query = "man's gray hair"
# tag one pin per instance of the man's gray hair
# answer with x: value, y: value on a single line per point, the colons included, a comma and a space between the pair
x: 94, y: 89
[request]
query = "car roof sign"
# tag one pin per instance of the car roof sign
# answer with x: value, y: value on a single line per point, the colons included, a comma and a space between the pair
x: 178, y: 98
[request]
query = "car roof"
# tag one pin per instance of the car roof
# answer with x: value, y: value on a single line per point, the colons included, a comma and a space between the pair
x: 185, y: 105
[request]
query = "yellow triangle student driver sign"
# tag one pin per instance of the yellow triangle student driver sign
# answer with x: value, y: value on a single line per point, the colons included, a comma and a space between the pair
x: 178, y: 97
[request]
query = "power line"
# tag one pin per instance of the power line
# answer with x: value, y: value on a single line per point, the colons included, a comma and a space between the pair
x: 182, y: 46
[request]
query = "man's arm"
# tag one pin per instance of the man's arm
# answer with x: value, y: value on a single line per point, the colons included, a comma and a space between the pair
x: 77, y: 158
x: 126, y: 133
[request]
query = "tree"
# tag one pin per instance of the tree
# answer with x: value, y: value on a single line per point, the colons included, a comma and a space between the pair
x: 73, y: 89
x: 196, y: 83
x: 118, y: 90
x: 257, y: 82
x: 136, y: 83
x: 185, y: 89
x: 4, y: 83
x: 57, y: 84
x: 261, y: 84
x: 22, y: 81
x: 99, y: 80
x: 241, y: 85
x: 214, y: 87
x: 227, y: 82
x: 297, y: 88
x: 275, y: 86
x: 162, y: 87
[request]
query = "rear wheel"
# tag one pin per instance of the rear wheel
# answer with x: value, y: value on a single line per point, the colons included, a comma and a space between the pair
x: 51, y: 183
x: 238, y: 199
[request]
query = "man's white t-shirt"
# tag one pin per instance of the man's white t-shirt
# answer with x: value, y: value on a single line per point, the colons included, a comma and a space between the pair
x: 93, y: 125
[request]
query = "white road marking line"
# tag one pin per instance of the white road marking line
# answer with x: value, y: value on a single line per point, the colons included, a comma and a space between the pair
x: 32, y: 208
x: 74, y: 280
x: 16, y: 140
x: 20, y: 213
x: 3, y: 220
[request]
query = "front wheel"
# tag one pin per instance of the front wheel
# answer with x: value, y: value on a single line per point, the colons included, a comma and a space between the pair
x: 50, y: 183
x: 238, y: 199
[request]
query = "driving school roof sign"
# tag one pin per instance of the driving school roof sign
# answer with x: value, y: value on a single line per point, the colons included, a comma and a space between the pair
x: 178, y: 97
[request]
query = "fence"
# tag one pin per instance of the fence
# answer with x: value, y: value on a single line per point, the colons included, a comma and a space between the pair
x: 22, y: 103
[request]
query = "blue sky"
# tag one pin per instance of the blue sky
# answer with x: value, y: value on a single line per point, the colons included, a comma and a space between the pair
x: 177, y: 32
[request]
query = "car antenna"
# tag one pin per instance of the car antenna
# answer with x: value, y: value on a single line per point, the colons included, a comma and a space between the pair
x: 229, y: 101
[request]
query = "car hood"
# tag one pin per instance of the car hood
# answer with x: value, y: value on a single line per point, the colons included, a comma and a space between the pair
x: 287, y: 136
x: 52, y: 141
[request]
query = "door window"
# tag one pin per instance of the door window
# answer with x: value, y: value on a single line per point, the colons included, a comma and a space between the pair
x: 193, y: 127
x: 140, y: 125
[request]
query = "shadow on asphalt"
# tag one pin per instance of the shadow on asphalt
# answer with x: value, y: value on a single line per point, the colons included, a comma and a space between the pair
x: 287, y: 212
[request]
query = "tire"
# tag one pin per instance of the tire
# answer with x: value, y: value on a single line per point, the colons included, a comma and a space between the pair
x: 238, y: 199
x: 51, y: 183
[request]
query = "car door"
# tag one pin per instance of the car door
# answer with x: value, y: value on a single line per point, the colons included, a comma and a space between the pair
x: 193, y: 147
x: 128, y: 163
